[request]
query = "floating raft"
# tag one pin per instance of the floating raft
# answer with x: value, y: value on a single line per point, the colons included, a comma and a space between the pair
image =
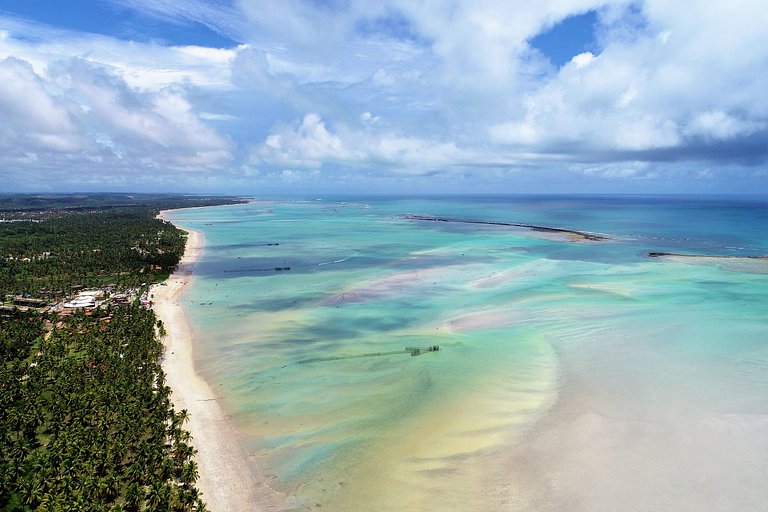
x: 414, y: 351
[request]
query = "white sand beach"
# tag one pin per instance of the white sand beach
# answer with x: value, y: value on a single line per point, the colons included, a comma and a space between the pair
x: 229, y: 478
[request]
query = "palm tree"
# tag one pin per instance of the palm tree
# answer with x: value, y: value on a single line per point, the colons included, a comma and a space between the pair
x: 154, y: 496
x: 189, y: 473
x: 35, y: 493
x: 188, y: 498
x: 134, y: 496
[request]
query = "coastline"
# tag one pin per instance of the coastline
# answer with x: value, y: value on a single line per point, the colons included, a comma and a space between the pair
x: 229, y: 478
x: 630, y: 352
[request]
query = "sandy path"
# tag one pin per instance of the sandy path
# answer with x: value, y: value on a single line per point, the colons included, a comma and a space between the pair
x: 229, y: 478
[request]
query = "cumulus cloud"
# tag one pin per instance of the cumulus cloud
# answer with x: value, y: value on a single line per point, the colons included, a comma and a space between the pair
x: 719, y: 125
x: 655, y: 91
x: 663, y: 80
x: 33, y: 119
x: 395, y: 87
x: 309, y: 143
x: 82, y: 114
x: 582, y: 59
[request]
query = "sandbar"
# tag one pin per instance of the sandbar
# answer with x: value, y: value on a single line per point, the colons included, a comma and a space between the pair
x: 547, y: 232
x: 749, y: 264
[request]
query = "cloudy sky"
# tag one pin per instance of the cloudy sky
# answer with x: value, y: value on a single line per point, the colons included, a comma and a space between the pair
x: 384, y: 96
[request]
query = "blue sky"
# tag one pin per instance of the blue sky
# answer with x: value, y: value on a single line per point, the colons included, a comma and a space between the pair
x: 362, y: 96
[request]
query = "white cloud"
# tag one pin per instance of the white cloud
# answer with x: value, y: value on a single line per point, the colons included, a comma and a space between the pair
x: 217, y: 16
x: 211, y: 116
x: 641, y: 92
x: 149, y: 66
x: 654, y: 91
x: 622, y: 170
x: 719, y: 125
x: 442, y: 85
x: 517, y: 133
x: 583, y: 59
x: 33, y: 119
x: 82, y: 112
x: 310, y: 144
x: 369, y: 119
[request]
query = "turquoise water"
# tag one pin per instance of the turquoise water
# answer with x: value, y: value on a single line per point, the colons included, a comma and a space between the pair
x: 570, y: 374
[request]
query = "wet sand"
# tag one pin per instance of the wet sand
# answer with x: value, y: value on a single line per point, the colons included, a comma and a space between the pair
x: 591, y: 455
x: 750, y: 264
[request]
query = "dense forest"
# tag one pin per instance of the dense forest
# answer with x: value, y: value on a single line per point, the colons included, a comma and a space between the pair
x: 87, y: 421
x: 112, y: 240
x: 125, y: 247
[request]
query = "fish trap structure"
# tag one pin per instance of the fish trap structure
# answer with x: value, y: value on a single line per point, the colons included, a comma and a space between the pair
x: 413, y: 351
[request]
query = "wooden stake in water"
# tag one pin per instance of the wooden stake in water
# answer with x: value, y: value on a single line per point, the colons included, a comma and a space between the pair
x: 414, y: 351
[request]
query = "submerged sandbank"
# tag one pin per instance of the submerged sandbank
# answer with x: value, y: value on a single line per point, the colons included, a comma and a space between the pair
x: 229, y: 479
x: 749, y: 264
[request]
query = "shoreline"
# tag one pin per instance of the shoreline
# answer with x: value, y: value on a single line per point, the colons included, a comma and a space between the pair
x: 229, y: 478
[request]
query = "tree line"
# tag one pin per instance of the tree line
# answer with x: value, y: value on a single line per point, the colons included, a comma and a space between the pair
x: 89, y: 240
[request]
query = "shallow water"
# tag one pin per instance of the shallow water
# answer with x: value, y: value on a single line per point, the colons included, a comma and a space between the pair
x: 576, y: 375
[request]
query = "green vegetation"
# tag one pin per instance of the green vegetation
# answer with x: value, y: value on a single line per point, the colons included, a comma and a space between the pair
x: 45, y: 251
x: 13, y: 204
x: 125, y: 247
x: 87, y: 422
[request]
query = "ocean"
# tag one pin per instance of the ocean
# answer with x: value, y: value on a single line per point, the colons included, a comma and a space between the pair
x: 567, y: 373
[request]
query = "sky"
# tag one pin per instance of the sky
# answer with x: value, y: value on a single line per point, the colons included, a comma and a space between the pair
x: 384, y: 96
